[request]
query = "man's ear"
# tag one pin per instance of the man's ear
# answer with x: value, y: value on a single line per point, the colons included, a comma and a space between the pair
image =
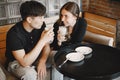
x: 29, y: 19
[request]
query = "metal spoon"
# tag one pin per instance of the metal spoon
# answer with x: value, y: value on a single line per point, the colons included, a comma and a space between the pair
x: 63, y: 63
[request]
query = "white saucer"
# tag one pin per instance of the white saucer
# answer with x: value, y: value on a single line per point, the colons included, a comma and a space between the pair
x: 74, y: 56
x: 84, y: 50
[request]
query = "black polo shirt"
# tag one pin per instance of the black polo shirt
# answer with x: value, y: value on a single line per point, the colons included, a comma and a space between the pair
x: 18, y: 38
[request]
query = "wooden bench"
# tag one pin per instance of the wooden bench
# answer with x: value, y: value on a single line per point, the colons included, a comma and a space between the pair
x: 96, y: 25
x: 100, y: 29
x: 3, y: 32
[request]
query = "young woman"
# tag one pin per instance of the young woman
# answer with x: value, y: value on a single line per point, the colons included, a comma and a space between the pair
x: 76, y: 26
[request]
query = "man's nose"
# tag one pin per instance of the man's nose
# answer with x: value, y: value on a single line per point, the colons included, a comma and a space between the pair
x: 43, y: 19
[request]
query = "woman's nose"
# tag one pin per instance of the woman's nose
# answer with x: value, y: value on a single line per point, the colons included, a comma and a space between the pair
x: 63, y: 18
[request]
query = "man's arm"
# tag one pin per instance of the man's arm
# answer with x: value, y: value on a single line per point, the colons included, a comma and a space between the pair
x: 45, y: 53
x: 41, y: 69
x: 26, y: 59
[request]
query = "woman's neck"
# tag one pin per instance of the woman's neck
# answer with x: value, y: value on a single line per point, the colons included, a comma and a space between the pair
x: 70, y: 30
x: 73, y: 23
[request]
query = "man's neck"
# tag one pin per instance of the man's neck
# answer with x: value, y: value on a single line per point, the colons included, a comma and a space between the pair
x: 27, y: 27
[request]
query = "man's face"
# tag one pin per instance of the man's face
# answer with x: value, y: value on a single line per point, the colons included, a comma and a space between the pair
x: 37, y: 22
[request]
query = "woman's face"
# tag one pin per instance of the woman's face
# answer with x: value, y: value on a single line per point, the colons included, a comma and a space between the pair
x: 68, y: 18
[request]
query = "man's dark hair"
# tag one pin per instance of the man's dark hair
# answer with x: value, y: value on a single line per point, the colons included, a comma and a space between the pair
x: 32, y: 8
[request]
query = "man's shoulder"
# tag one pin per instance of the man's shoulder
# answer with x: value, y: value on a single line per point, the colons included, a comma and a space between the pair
x: 15, y: 30
x: 15, y: 27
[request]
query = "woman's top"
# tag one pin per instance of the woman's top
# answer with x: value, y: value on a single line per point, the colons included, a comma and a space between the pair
x: 76, y: 36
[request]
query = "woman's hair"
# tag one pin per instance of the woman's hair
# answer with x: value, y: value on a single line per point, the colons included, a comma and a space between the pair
x: 71, y: 7
x: 32, y: 8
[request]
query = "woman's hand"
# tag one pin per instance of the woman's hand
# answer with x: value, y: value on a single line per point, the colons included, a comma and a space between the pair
x: 61, y: 38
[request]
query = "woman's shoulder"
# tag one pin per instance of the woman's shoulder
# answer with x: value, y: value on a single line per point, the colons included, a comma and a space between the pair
x: 82, y: 22
x: 81, y: 19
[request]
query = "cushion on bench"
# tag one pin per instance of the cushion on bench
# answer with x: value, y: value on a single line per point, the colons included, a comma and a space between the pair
x: 97, y: 38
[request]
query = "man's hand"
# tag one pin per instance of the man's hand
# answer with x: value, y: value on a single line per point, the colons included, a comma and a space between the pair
x: 41, y: 69
x: 48, y: 35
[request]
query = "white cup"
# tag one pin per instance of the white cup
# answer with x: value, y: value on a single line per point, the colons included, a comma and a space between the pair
x: 47, y: 28
x: 63, y: 33
x: 62, y: 30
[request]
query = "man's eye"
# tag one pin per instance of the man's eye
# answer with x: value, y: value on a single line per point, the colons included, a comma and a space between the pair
x: 41, y: 17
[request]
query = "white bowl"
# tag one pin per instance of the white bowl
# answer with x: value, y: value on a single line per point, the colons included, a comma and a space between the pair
x: 84, y: 50
x: 74, y: 56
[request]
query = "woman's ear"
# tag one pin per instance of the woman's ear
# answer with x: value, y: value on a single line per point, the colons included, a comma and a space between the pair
x: 29, y: 19
x: 75, y: 17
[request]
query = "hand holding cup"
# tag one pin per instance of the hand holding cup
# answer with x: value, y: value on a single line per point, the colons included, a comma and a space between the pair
x: 48, y: 34
x: 62, y: 32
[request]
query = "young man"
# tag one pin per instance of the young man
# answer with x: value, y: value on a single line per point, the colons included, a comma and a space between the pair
x: 28, y: 43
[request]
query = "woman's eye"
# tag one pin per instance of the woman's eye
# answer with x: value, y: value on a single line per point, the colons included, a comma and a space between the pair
x: 66, y: 16
x: 61, y: 16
